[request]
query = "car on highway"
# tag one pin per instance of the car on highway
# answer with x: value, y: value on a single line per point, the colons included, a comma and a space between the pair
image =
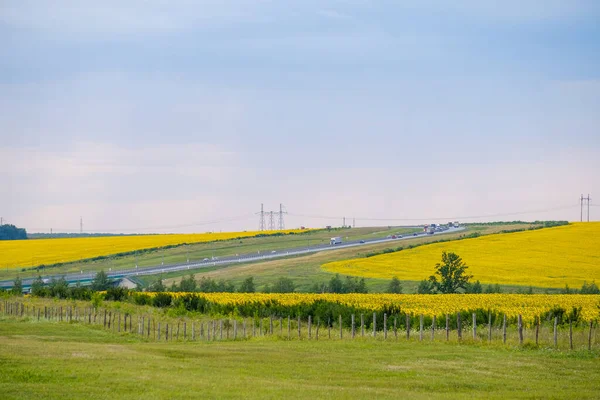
x: 273, y: 252
x: 206, y: 259
x: 362, y: 241
x: 415, y: 234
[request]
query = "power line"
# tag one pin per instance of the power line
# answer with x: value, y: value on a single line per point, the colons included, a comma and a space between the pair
x: 437, y: 218
x: 208, y: 222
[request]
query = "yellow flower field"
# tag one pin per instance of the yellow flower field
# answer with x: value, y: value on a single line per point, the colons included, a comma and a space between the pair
x: 33, y: 252
x: 529, y: 306
x: 550, y: 257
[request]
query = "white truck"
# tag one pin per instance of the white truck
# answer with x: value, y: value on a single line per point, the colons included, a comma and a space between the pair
x: 335, y: 240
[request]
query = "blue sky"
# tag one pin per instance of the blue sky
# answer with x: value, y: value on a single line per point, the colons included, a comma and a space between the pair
x: 156, y: 116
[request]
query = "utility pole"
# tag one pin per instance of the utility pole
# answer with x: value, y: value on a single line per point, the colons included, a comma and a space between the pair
x: 344, y: 223
x: 581, y: 200
x: 354, y: 222
x: 1, y: 221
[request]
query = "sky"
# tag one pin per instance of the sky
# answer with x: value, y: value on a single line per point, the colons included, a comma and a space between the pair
x: 185, y: 116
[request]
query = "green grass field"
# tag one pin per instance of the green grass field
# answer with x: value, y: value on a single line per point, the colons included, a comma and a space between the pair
x: 71, y: 361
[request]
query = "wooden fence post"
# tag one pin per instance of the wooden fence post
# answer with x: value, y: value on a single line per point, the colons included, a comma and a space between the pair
x: 474, y: 326
x: 158, y: 328
x: 570, y: 334
x: 309, y: 327
x: 362, y: 325
x: 167, y: 333
x: 504, y: 329
x: 384, y: 325
x: 271, y: 325
x: 280, y: 326
x: 459, y: 326
x: 421, y: 328
x: 119, y: 322
x: 220, y: 329
x: 289, y: 328
x: 433, y: 328
x: 184, y: 330
x: 490, y: 327
x: 105, y: 318
x: 260, y: 326
x: 235, y: 329
x: 537, y: 329
x: 520, y: 322
x: 299, y: 333
x: 244, y: 328
x: 253, y: 328
x: 374, y: 324
x: 589, y: 335
x: 556, y: 332
x: 407, y: 326
x: 193, y: 330
x: 395, y: 327
x: 341, y: 326
x: 447, y: 327
x: 207, y: 330
x: 149, y: 327
x: 317, y: 330
x: 352, y: 326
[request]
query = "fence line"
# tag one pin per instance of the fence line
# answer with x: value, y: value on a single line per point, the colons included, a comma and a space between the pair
x: 150, y: 327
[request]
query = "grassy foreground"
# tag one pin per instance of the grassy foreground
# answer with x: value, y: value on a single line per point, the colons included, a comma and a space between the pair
x: 52, y: 360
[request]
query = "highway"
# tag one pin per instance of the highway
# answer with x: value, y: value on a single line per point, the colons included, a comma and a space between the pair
x: 86, y: 278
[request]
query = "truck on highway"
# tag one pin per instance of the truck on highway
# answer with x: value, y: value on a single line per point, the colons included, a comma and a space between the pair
x: 335, y: 240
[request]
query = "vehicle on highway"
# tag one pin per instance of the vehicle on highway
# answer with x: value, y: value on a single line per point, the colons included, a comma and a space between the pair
x: 362, y: 241
x: 415, y: 234
x: 273, y: 252
x: 335, y: 240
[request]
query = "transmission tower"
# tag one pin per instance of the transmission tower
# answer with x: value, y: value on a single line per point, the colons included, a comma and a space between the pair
x: 261, y: 216
x: 581, y: 201
x: 271, y: 221
x: 281, y: 222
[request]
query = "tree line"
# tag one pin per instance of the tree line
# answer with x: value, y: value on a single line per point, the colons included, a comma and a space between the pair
x: 11, y: 232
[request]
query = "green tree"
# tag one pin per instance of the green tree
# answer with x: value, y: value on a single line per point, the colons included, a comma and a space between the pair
x: 157, y: 286
x: 336, y: 285
x: 101, y: 282
x: 395, y: 286
x: 37, y: 287
x: 283, y: 285
x: 58, y: 288
x: 474, y: 287
x: 591, y: 288
x: 451, y: 274
x: 188, y: 284
x: 361, y: 286
x: 17, y: 288
x: 248, y: 285
x: 425, y: 287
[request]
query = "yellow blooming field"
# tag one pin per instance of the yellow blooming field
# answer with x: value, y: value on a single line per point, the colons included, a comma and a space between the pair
x: 33, y: 252
x: 550, y: 257
x: 529, y: 306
